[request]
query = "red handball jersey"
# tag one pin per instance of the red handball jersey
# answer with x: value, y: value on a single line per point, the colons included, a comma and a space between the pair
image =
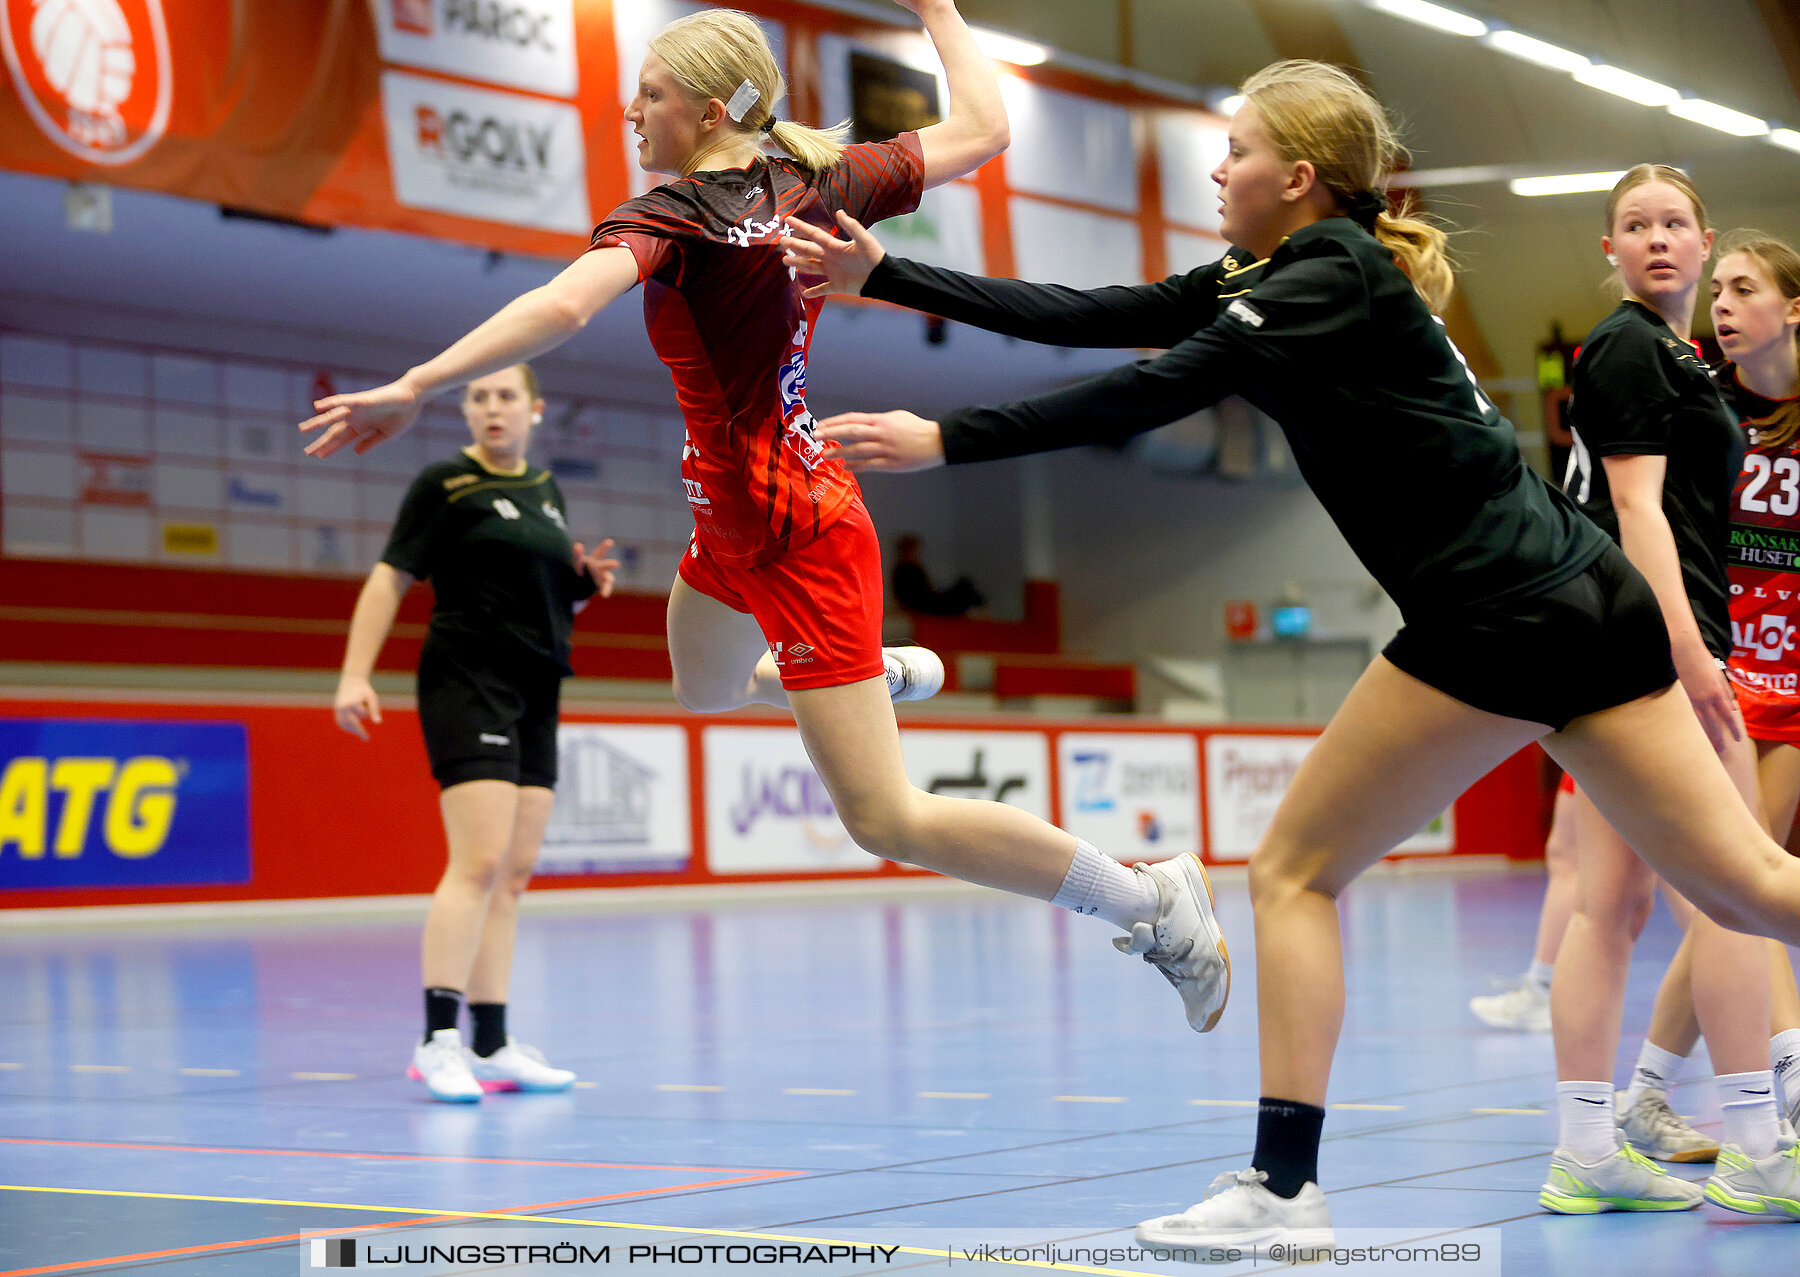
x: 1765, y: 572
x: 728, y: 319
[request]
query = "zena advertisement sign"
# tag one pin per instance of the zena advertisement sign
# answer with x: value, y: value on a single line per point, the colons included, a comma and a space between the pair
x: 1134, y: 795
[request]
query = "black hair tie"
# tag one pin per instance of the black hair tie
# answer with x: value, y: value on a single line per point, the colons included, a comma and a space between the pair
x: 1364, y: 207
x: 768, y: 125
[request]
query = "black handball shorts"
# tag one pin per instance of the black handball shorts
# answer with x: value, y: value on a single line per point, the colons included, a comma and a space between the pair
x: 1595, y: 641
x: 488, y: 716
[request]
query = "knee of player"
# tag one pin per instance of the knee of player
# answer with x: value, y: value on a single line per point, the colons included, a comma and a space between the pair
x: 1276, y: 873
x: 478, y: 869
x: 694, y: 699
x: 879, y: 828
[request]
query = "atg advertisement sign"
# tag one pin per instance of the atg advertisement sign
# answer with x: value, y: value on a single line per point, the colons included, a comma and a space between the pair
x: 87, y: 803
x: 767, y: 810
x: 1134, y: 795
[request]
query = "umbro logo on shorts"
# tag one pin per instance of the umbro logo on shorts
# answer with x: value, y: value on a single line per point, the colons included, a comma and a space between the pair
x: 794, y: 653
x: 489, y: 738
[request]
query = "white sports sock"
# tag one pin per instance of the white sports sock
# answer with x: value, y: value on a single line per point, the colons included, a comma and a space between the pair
x: 1097, y: 884
x: 1748, y: 1103
x: 1538, y: 973
x: 1586, y: 1126
x: 1784, y: 1052
x: 1656, y: 1070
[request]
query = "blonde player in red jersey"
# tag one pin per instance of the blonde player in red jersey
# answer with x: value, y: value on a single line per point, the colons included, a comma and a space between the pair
x: 779, y: 596
x: 1756, y: 316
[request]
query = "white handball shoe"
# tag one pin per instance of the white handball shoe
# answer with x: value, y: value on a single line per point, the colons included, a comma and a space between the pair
x: 1185, y: 942
x: 1622, y: 1180
x: 1658, y: 1131
x: 517, y: 1067
x: 1524, y: 1008
x: 1769, y: 1187
x: 1240, y: 1214
x: 913, y: 673
x: 441, y: 1064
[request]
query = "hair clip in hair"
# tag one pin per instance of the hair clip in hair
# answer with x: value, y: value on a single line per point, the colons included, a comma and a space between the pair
x: 1364, y: 207
x: 747, y: 96
x: 768, y: 125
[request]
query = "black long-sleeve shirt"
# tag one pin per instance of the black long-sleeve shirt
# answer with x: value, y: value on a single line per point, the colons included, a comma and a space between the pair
x: 1327, y: 336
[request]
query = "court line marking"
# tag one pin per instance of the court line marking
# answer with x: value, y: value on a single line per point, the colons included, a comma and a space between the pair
x: 676, y: 1229
x: 323, y: 1077
x: 681, y: 1086
x: 212, y: 1072
x: 99, y: 1068
x: 743, y: 1172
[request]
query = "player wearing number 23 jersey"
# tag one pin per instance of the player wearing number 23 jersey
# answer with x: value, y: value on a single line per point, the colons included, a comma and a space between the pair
x: 1765, y: 574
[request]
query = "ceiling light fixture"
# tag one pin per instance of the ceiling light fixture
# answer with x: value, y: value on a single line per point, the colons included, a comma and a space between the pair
x: 1541, y: 52
x: 1565, y: 184
x: 1010, y: 48
x: 1624, y: 84
x: 1722, y: 118
x: 1436, y: 16
x: 1788, y: 138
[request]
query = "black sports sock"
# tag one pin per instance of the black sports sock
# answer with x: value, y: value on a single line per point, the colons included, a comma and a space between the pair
x: 488, y: 1019
x: 442, y: 1007
x: 1287, y: 1144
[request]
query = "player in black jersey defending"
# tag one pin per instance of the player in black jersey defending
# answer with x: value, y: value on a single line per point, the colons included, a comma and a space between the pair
x: 1523, y: 620
x: 488, y: 531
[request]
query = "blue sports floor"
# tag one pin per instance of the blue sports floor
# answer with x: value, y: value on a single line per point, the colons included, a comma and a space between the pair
x: 198, y: 1100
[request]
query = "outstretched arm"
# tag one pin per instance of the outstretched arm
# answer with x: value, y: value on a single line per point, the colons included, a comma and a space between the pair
x: 1122, y: 316
x: 540, y: 320
x: 1108, y: 408
x: 975, y: 130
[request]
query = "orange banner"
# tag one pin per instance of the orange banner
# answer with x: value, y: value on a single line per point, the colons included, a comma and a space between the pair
x: 402, y: 115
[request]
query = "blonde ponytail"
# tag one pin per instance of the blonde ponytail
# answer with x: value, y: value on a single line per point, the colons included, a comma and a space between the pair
x: 815, y: 149
x: 1422, y: 251
x: 713, y: 53
x: 1318, y: 113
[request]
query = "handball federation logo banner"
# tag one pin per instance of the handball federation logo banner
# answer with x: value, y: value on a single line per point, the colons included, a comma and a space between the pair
x: 87, y: 803
x: 93, y: 74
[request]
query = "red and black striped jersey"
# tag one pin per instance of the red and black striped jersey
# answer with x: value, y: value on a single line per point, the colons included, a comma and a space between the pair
x: 728, y: 319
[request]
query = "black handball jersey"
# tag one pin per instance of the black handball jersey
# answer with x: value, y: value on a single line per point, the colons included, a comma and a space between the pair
x: 1327, y: 336
x: 497, y: 553
x: 728, y: 319
x: 1639, y: 390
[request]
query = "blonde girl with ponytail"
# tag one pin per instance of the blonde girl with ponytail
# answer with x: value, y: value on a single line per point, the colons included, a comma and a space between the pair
x: 778, y: 599
x: 1524, y: 622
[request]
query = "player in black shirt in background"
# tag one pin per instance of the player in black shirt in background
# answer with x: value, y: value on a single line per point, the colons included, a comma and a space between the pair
x: 1524, y: 621
x: 1656, y: 456
x: 489, y: 532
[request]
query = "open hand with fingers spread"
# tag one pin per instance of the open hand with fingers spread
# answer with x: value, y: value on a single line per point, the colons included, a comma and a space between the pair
x: 896, y: 442
x: 362, y: 417
x: 597, y: 566
x: 843, y: 264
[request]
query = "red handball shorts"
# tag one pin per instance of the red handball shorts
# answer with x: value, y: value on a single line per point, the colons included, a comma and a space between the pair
x: 819, y: 606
